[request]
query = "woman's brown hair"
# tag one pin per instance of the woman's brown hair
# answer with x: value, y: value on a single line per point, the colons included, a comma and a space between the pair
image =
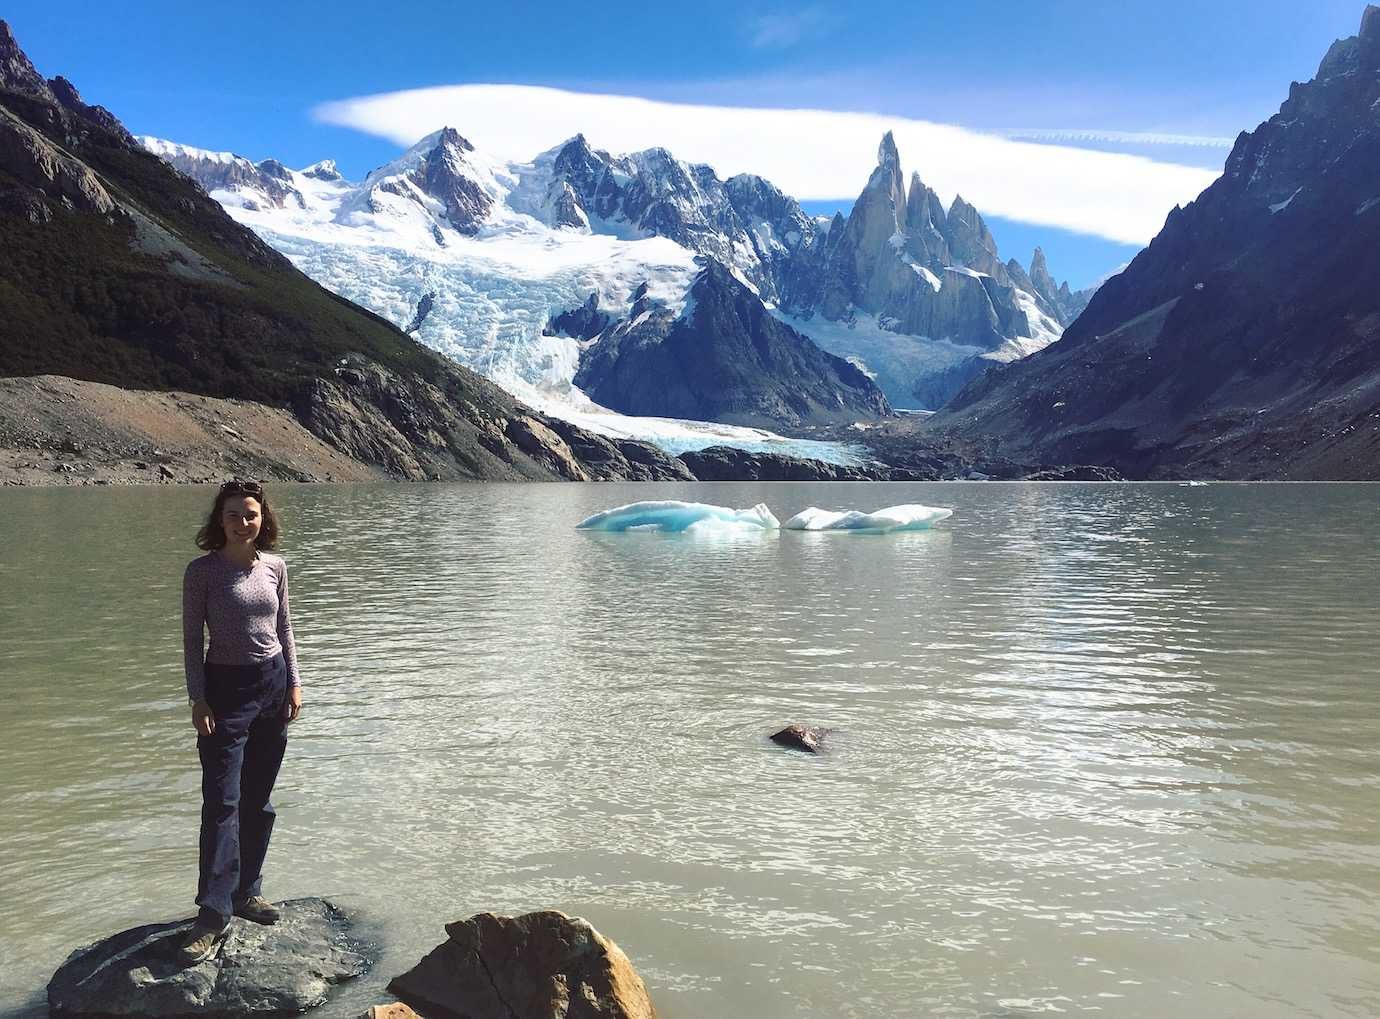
x: 212, y: 533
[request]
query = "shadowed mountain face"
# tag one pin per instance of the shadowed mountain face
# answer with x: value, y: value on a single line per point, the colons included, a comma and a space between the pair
x: 722, y: 358
x: 1244, y: 342
x: 115, y: 268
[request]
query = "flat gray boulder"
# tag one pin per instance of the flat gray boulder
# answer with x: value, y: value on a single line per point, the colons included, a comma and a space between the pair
x: 284, y: 968
x: 543, y: 965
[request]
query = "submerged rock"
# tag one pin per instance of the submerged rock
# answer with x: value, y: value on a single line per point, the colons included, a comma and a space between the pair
x: 285, y: 968
x: 801, y: 737
x: 542, y: 965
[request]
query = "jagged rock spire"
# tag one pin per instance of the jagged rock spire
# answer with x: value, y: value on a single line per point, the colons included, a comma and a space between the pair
x: 1370, y: 22
x: 970, y: 241
x: 924, y: 225
x: 1040, y: 276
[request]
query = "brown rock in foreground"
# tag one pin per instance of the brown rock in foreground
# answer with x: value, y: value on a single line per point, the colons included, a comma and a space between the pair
x: 543, y: 965
x: 397, y: 1010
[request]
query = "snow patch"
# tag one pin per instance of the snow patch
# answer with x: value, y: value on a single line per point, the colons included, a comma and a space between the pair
x: 167, y: 150
x: 963, y: 270
x: 1366, y: 206
x: 1281, y: 206
x: 861, y: 365
x: 934, y: 281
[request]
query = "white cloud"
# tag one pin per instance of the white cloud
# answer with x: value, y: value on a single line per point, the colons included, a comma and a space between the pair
x: 1075, y: 136
x: 810, y: 154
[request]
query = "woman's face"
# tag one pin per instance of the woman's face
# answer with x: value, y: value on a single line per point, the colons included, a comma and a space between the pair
x: 241, y: 516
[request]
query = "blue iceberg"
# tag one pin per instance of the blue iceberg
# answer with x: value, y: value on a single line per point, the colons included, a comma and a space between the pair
x: 671, y: 517
x: 911, y: 517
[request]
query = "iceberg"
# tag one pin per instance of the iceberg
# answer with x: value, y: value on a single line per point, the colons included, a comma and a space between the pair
x: 672, y: 517
x: 912, y: 517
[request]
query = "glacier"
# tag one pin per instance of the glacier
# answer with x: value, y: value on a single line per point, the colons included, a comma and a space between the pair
x: 910, y: 517
x: 484, y: 299
x: 673, y: 517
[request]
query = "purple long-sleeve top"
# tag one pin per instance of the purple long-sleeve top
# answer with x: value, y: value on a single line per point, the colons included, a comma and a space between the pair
x: 245, y: 610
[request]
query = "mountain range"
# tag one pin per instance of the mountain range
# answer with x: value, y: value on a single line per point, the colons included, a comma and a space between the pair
x: 478, y: 256
x: 1243, y: 342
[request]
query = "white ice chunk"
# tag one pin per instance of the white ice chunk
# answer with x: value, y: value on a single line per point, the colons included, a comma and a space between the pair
x: 911, y: 517
x: 674, y: 517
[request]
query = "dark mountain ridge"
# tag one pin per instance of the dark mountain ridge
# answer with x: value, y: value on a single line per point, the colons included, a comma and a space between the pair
x: 1244, y: 342
x: 722, y: 358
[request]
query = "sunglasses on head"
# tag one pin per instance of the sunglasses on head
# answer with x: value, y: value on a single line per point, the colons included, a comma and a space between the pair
x: 242, y: 488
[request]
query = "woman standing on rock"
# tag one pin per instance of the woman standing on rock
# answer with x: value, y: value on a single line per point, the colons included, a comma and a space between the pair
x: 244, y: 691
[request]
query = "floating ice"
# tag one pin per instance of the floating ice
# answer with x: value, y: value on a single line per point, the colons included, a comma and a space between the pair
x: 893, y: 518
x: 671, y: 516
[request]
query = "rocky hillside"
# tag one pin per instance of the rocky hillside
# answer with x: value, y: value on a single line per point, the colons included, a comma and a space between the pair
x: 1244, y: 342
x: 116, y: 269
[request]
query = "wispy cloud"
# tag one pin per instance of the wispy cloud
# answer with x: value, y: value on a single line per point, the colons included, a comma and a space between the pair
x: 811, y: 154
x: 781, y: 31
x: 1074, y: 136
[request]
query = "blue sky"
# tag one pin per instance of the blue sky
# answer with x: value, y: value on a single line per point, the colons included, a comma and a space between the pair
x: 247, y: 79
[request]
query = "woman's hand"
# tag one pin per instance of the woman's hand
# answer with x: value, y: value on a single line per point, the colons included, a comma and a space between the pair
x: 292, y: 707
x: 203, y: 719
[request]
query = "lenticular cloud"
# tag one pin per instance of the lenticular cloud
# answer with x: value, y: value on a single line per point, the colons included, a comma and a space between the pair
x: 672, y: 517
x: 810, y: 154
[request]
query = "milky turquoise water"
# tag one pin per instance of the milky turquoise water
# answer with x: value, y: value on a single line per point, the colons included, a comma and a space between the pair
x: 1098, y: 748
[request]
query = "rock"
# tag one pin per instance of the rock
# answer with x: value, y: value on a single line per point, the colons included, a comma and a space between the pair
x: 31, y: 159
x: 582, y: 323
x: 257, y: 970
x: 801, y: 737
x: 1077, y: 473
x: 543, y: 965
x: 397, y: 1010
x: 544, y: 446
x: 728, y: 463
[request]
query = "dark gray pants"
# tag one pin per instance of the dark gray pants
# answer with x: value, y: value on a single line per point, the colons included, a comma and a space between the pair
x: 239, y: 764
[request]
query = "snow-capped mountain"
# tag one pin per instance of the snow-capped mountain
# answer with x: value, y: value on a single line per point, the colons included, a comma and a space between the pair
x: 476, y: 256
x: 901, y: 265
x: 237, y: 180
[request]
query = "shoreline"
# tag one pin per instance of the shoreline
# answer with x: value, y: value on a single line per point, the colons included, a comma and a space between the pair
x: 57, y: 432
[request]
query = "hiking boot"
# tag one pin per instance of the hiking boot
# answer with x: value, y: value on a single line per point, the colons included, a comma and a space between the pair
x: 199, y: 943
x: 258, y: 909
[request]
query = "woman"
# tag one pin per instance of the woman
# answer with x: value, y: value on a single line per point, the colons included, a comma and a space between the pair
x: 244, y: 691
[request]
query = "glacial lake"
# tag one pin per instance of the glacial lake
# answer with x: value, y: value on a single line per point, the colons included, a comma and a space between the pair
x: 1106, y: 749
